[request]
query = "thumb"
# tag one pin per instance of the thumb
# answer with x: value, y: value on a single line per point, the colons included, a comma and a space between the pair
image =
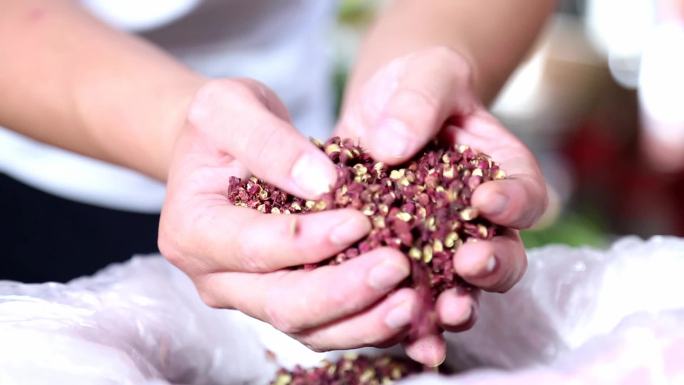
x: 245, y: 120
x: 406, y: 103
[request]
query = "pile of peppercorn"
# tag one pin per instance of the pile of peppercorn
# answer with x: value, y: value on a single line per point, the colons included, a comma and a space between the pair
x: 421, y: 207
x: 350, y: 370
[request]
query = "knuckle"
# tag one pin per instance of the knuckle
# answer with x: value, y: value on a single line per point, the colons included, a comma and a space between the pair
x: 442, y: 52
x: 418, y: 106
x: 453, y: 59
x: 314, y: 346
x: 251, y: 257
x: 280, y: 318
x: 206, y: 295
x: 365, y: 338
x: 214, y: 95
x: 253, y: 263
x: 168, y: 247
x: 208, y: 299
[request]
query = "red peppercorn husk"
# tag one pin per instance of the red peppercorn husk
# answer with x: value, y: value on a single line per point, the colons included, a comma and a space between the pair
x: 350, y: 370
x: 421, y: 208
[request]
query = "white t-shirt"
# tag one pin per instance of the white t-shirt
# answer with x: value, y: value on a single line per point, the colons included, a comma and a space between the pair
x: 281, y: 43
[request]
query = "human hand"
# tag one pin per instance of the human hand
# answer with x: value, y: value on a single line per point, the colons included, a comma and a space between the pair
x: 240, y: 258
x: 430, y: 93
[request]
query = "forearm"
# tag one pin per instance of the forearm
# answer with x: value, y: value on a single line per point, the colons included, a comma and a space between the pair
x: 493, y: 35
x: 69, y: 80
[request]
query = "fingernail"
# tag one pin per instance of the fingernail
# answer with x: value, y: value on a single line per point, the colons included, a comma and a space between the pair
x: 491, y: 264
x: 400, y: 316
x: 464, y: 317
x: 386, y: 275
x: 487, y: 268
x: 349, y: 230
x: 393, y: 138
x: 439, y: 358
x: 311, y: 174
x: 497, y: 204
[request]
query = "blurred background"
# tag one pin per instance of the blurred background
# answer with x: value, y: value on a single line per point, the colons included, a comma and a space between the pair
x: 600, y: 101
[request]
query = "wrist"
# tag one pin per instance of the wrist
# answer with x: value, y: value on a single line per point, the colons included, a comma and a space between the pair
x: 178, y: 105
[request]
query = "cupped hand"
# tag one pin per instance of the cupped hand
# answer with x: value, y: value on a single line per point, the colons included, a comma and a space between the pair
x: 242, y: 259
x: 429, y: 94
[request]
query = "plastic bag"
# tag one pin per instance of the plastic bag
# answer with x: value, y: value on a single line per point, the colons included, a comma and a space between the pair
x: 578, y: 316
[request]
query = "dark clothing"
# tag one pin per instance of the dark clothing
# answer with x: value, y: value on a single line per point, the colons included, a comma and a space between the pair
x: 47, y: 238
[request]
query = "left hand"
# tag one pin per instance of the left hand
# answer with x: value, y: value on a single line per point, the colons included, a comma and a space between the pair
x: 407, y: 103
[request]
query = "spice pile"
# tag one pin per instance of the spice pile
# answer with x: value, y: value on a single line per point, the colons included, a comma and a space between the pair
x: 421, y: 208
x: 350, y: 370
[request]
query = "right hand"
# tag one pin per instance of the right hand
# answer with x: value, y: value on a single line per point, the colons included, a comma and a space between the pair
x: 239, y: 258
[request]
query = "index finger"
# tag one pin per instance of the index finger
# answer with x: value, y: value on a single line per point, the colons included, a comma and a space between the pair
x: 233, y: 238
x: 246, y: 121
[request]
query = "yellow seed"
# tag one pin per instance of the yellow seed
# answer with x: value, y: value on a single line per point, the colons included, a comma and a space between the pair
x: 367, y: 375
x: 379, y: 167
x: 286, y: 211
x: 421, y: 212
x: 448, y: 171
x: 332, y: 148
x: 360, y: 169
x: 415, y: 253
x: 254, y: 179
x: 379, y: 222
x: 368, y: 209
x: 295, y: 206
x: 431, y: 224
x: 427, y: 253
x: 446, y: 159
x: 310, y: 204
x: 468, y: 213
x: 440, y: 189
x: 452, y: 195
x: 348, y: 153
x: 462, y: 148
x: 477, y: 172
x: 263, y: 194
x: 275, y: 210
x: 482, y: 230
x: 316, y: 142
x: 500, y: 174
x: 261, y: 208
x: 383, y: 209
x: 283, y: 379
x: 397, y: 174
x: 396, y: 373
x: 404, y: 181
x: 437, y: 246
x: 404, y: 216
x: 320, y: 206
x: 450, y: 240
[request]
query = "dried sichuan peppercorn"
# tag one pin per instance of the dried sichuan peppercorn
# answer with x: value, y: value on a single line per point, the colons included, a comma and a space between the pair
x: 351, y: 369
x: 421, y: 208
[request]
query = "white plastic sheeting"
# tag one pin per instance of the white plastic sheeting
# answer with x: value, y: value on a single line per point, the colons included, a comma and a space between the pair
x: 579, y: 316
